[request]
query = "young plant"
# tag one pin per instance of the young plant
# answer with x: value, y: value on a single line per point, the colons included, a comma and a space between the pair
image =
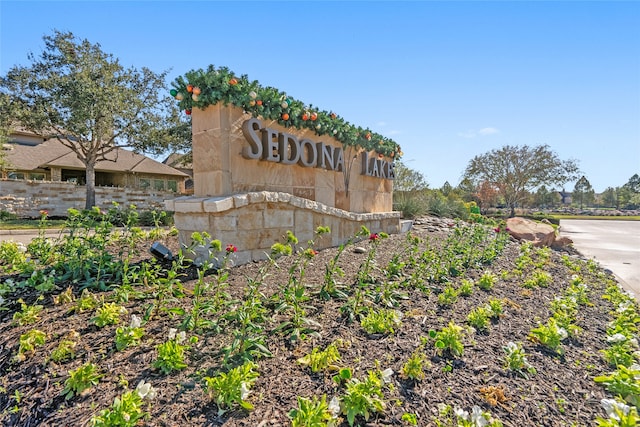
x: 108, y: 314
x: 415, y: 366
x: 364, y: 274
x: 394, y: 268
x: 42, y: 282
x: 549, y: 336
x: 171, y: 354
x: 28, y: 315
x: 131, y: 335
x: 448, y: 296
x: 619, y: 414
x: 12, y: 256
x: 356, y: 306
x: 449, y: 339
x: 410, y: 418
x: 621, y: 351
x: 80, y: 380
x: 233, y: 387
x: 64, y: 297
x: 294, y: 297
x: 87, y: 301
x: 479, y: 318
x: 466, y: 288
x: 363, y: 397
x: 331, y: 287
x: 126, y: 410
x: 539, y: 278
x: 624, y: 383
x: 201, y: 304
x: 487, y: 281
x: 495, y: 307
x: 248, y: 316
x: 318, y: 360
x: 516, y: 360
x: 65, y: 349
x: 29, y: 341
x: 315, y: 412
x: 382, y: 321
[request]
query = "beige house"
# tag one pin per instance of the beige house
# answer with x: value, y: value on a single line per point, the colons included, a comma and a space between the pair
x: 33, y: 158
x: 183, y: 163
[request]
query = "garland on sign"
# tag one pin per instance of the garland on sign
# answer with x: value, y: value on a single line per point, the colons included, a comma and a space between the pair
x: 199, y: 88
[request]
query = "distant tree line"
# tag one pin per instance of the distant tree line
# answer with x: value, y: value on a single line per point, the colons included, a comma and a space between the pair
x: 509, y: 178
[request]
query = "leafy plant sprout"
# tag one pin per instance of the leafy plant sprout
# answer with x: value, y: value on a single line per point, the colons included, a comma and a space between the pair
x: 449, y: 339
x: 364, y: 274
x: 171, y: 354
x: 126, y: 410
x: 363, y: 397
x: 318, y: 360
x: 315, y: 412
x: 232, y: 388
x: 487, y: 281
x: 81, y: 379
x: 415, y: 366
x: 383, y: 321
x: 516, y: 360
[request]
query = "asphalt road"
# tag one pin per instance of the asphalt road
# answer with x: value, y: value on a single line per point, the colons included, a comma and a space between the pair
x: 613, y: 244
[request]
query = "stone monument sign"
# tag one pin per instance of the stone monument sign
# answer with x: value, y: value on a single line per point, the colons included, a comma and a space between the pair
x: 257, y: 176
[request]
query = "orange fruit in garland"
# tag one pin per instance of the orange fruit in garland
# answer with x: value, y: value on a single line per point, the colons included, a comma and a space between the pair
x: 305, y: 117
x: 333, y: 115
x: 196, y: 90
x: 233, y: 82
x: 189, y: 88
x: 259, y: 102
x: 314, y: 116
x: 368, y: 136
x: 285, y: 116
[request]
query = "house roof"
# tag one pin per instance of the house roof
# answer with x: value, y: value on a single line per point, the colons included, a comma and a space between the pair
x: 53, y: 153
x: 179, y: 160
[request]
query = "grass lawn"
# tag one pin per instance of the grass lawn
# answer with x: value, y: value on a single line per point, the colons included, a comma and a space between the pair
x: 27, y: 224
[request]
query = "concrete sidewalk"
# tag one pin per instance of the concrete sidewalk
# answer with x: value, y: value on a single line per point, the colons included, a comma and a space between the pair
x: 615, y: 245
x: 25, y: 236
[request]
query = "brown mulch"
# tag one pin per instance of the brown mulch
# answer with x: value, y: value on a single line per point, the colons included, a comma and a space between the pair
x: 562, y: 392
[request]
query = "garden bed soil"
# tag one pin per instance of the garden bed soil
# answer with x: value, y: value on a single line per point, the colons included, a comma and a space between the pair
x: 561, y: 393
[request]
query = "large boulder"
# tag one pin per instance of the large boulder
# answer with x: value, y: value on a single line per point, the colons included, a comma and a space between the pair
x: 539, y: 233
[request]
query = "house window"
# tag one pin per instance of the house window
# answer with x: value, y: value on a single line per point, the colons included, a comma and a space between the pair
x: 15, y: 175
x: 145, y: 183
x: 36, y: 176
x: 158, y: 184
x: 172, y: 185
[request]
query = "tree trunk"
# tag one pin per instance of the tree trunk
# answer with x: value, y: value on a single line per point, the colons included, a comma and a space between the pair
x: 512, y: 213
x: 90, y: 178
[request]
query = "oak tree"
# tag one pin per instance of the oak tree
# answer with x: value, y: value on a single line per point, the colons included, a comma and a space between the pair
x: 83, y: 97
x: 518, y: 170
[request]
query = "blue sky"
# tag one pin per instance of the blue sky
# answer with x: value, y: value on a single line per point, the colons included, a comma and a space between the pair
x: 446, y: 80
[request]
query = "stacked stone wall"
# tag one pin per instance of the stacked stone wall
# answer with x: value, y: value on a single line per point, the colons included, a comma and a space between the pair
x: 27, y: 198
x: 254, y: 221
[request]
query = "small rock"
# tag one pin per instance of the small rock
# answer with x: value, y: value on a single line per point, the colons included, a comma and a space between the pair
x: 359, y: 250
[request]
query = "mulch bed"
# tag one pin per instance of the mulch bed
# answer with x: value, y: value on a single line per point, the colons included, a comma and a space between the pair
x: 561, y: 393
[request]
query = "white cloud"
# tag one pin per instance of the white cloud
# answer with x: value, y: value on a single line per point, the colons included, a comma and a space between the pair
x: 381, y: 124
x: 482, y: 132
x: 488, y: 131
